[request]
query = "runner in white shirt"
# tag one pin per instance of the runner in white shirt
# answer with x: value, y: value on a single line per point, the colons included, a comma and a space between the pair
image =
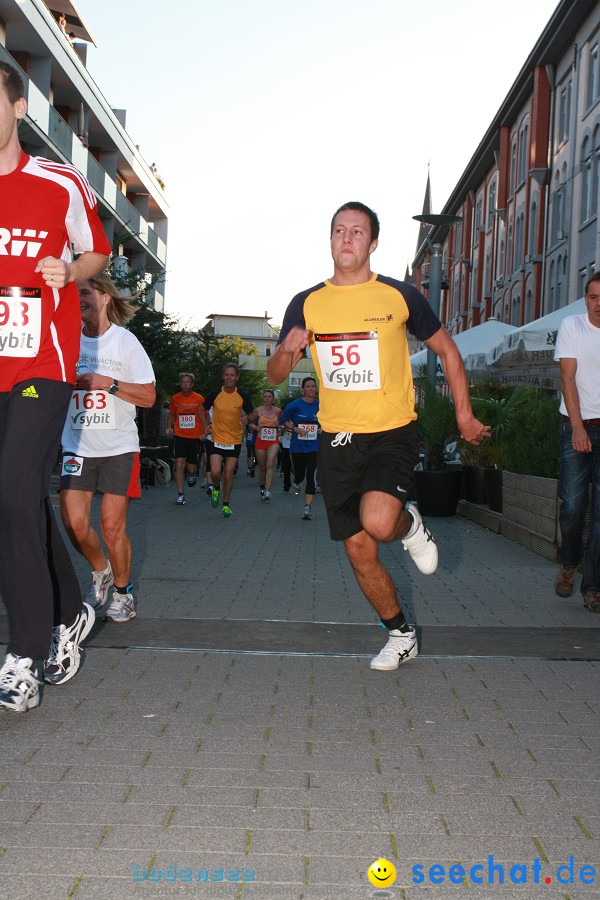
x: 101, y: 444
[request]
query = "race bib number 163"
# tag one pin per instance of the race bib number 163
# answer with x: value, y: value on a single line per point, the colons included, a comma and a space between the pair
x: 349, y: 361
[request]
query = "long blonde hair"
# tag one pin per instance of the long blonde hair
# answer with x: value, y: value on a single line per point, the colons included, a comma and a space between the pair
x: 121, y: 308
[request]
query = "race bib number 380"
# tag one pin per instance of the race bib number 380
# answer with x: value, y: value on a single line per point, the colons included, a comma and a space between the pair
x: 20, y: 321
x: 349, y: 361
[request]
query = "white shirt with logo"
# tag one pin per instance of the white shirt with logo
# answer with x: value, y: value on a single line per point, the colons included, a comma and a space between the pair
x: 99, y: 423
x: 580, y: 340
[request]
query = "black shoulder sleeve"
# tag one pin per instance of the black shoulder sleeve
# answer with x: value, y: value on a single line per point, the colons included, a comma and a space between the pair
x: 247, y: 404
x: 211, y: 399
x: 422, y: 321
x: 294, y: 314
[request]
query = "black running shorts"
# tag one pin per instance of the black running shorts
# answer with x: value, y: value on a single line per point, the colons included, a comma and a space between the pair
x: 187, y: 448
x: 351, y: 465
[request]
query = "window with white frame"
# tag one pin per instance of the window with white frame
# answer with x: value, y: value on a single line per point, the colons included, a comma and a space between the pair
x: 558, y: 205
x: 564, y: 111
x: 595, y: 170
x: 586, y: 179
x: 518, y: 241
x: 593, y: 79
x: 513, y: 167
x: 515, y: 316
x: 478, y: 218
x: 492, y: 194
x: 531, y: 243
x: 529, y: 306
x: 523, y: 153
x: 458, y: 239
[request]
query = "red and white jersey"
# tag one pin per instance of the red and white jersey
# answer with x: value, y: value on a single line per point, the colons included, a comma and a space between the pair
x: 45, y: 208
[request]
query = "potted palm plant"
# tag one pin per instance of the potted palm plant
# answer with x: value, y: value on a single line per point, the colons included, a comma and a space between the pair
x: 485, y: 478
x: 437, y: 488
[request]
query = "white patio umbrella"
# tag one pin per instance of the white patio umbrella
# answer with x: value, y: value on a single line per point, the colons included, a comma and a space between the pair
x: 526, y: 355
x: 474, y: 341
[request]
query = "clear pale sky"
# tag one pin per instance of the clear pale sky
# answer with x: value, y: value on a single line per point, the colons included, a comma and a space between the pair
x: 264, y: 116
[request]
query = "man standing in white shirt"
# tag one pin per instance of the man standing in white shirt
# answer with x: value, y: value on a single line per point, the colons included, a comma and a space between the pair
x: 578, y: 349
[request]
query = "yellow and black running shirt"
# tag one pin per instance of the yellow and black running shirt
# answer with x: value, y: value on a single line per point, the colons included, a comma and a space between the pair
x: 228, y: 407
x: 360, y: 352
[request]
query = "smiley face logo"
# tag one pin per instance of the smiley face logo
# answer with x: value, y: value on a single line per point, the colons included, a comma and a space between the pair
x: 381, y: 873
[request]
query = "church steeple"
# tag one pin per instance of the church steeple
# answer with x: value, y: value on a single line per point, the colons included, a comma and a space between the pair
x: 424, y: 229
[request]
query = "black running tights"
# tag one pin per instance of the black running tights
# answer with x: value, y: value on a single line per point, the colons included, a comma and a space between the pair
x: 37, y: 581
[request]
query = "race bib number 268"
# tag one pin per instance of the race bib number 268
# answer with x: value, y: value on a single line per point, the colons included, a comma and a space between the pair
x: 349, y: 361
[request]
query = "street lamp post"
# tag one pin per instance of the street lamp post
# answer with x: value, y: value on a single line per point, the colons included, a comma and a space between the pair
x: 435, y: 278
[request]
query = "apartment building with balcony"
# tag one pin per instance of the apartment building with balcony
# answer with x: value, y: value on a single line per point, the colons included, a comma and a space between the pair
x: 529, y: 236
x: 252, y: 329
x: 69, y: 120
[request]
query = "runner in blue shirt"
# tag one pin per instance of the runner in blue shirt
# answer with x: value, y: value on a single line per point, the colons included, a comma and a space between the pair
x: 301, y: 417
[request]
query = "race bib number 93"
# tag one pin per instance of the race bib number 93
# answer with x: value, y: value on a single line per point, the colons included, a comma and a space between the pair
x: 349, y: 361
x: 20, y: 321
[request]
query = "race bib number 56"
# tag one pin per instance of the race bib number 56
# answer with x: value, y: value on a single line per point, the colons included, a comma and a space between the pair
x: 20, y: 321
x: 349, y: 361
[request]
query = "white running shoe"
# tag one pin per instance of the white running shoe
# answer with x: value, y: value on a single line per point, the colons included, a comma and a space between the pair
x: 122, y: 608
x: 296, y: 488
x: 307, y: 514
x: 401, y: 647
x: 97, y: 595
x: 266, y: 495
x: 420, y: 544
x: 66, y: 655
x: 20, y: 683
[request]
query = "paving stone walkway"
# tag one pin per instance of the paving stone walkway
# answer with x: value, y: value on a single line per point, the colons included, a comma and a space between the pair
x: 247, y: 772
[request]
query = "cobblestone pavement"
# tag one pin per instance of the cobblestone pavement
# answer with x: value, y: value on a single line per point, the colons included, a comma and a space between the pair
x: 265, y: 774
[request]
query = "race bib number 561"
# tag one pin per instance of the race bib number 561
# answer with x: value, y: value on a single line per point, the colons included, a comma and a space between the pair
x: 20, y: 321
x: 349, y: 361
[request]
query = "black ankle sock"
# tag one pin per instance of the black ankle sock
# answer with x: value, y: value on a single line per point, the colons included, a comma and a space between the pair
x: 397, y: 622
x: 123, y: 590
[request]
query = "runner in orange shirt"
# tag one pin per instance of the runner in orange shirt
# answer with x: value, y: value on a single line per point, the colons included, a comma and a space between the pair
x: 185, y: 422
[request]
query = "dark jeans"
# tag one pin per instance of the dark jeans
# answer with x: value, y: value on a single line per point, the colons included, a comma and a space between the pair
x: 577, y: 470
x: 37, y: 580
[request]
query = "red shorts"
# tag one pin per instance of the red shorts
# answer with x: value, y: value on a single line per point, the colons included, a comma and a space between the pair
x: 261, y: 444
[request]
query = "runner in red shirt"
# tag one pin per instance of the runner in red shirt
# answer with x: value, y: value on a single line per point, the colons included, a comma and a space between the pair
x: 47, y: 210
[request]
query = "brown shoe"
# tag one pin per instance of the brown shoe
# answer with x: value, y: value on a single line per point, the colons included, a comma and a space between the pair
x: 591, y: 601
x: 565, y: 581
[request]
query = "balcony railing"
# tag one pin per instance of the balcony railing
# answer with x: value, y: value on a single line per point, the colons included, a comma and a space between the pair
x: 61, y: 136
